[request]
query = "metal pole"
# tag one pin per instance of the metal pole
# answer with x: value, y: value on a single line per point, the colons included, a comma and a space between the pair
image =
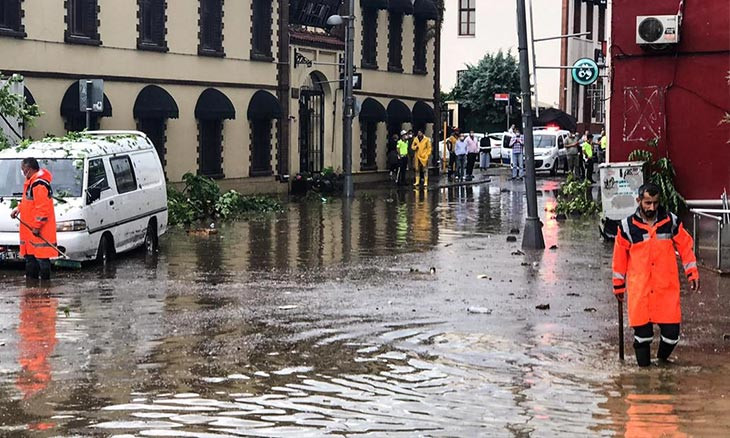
x: 88, y: 105
x: 534, y: 63
x: 532, y: 237
x: 349, y: 189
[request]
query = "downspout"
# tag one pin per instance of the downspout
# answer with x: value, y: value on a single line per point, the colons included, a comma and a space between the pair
x: 282, y: 91
x: 437, y: 125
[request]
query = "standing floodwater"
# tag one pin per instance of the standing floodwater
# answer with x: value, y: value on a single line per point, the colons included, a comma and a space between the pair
x: 328, y: 320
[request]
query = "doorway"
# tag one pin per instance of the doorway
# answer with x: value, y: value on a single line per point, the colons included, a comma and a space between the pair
x: 311, y: 126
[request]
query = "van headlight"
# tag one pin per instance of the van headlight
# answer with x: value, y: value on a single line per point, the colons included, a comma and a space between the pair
x: 76, y: 225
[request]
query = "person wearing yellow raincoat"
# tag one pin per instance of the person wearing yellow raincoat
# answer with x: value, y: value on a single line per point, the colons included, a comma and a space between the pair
x: 422, y: 147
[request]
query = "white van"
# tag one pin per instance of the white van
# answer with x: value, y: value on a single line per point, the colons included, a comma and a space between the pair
x: 109, y: 190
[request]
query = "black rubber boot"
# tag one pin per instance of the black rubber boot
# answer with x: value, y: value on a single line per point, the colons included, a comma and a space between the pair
x: 665, y: 350
x: 45, y: 269
x: 643, y: 353
x: 32, y: 269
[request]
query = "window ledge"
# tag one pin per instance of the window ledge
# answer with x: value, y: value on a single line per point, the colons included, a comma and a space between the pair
x: 5, y: 32
x: 220, y: 175
x: 367, y: 66
x: 82, y: 40
x: 395, y: 69
x: 212, y: 53
x: 260, y: 173
x: 151, y: 47
x: 263, y: 57
x: 420, y: 71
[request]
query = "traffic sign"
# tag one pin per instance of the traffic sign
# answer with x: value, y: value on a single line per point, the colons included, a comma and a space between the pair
x: 585, y: 71
x: 501, y: 96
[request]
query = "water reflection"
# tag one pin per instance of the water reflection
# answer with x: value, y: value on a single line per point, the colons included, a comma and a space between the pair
x: 37, y: 340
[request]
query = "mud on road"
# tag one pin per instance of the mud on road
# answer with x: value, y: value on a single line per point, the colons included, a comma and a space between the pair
x: 329, y: 320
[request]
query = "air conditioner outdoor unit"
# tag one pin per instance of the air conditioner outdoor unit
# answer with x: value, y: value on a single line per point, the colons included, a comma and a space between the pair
x: 657, y: 29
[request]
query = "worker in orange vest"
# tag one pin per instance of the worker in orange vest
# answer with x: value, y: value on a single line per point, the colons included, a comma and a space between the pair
x: 644, y: 264
x: 39, y: 218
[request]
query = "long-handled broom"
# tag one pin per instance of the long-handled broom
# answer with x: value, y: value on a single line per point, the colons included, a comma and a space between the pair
x: 64, y: 262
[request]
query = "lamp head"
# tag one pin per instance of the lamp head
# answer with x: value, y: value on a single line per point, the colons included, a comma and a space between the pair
x: 335, y: 20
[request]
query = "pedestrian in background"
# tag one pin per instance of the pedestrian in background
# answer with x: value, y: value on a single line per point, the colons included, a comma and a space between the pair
x: 571, y: 152
x: 517, y: 144
x: 587, y: 148
x: 38, y: 217
x: 402, y: 148
x: 472, y: 152
x: 645, y: 268
x: 422, y: 152
x: 392, y: 156
x: 602, y: 146
x: 485, y: 147
x: 451, y: 147
x: 460, y: 152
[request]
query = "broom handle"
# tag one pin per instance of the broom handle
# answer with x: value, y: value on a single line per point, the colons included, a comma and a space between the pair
x: 43, y: 239
x: 620, y: 330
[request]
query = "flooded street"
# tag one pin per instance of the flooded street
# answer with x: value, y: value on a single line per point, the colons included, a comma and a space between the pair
x: 328, y: 319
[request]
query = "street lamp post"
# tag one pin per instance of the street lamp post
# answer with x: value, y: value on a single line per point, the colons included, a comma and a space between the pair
x: 347, y: 109
x: 532, y: 237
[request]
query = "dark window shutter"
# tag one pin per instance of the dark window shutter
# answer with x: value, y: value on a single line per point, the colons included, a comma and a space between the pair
x: 89, y: 26
x: 262, y: 27
x: 420, y: 46
x: 158, y: 22
x: 12, y: 15
x: 395, y: 40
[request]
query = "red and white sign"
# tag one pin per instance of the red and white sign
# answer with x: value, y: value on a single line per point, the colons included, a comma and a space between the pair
x: 502, y: 96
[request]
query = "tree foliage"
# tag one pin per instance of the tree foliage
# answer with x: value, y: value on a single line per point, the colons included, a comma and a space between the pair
x: 495, y: 73
x: 14, y: 106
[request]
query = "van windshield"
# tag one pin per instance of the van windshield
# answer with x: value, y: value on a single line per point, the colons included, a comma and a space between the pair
x: 544, y: 141
x: 67, y: 176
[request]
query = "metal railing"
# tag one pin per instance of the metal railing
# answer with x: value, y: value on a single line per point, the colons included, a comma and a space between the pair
x: 715, y: 254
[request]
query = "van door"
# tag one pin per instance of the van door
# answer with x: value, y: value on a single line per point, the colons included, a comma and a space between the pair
x: 99, y: 212
x: 128, y: 232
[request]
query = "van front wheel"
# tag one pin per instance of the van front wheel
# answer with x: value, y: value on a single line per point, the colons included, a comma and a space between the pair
x: 105, y: 253
x: 151, y: 241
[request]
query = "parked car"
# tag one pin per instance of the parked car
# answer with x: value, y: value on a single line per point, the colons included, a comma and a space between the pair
x: 110, y: 194
x: 549, y: 150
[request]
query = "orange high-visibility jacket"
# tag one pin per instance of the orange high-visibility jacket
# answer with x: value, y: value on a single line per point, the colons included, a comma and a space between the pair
x: 645, y: 266
x: 36, y: 210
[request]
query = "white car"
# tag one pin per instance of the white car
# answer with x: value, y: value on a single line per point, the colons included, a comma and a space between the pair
x: 110, y: 194
x: 549, y: 150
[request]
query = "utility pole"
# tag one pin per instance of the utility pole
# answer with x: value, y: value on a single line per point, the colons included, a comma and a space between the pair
x: 532, y: 237
x: 349, y: 189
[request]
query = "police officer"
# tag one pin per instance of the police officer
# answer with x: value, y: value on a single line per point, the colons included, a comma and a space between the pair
x: 38, y: 229
x: 645, y: 268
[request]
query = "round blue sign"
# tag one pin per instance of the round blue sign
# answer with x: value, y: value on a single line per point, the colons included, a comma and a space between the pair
x: 585, y: 71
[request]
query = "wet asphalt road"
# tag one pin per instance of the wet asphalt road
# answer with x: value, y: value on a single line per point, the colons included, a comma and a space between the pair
x: 327, y: 320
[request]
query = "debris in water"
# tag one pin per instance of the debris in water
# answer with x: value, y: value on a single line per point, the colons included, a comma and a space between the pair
x: 518, y: 253
x: 573, y: 294
x: 479, y: 310
x: 554, y: 247
x: 590, y: 309
x: 203, y: 231
x: 543, y: 307
x: 432, y: 270
x: 514, y: 231
x: 290, y: 307
x: 726, y: 337
x: 511, y: 239
x: 481, y: 277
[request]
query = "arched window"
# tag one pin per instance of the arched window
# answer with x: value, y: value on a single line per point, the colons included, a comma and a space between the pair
x: 371, y: 113
x: 75, y: 119
x: 262, y: 110
x: 152, y: 108
x: 212, y: 109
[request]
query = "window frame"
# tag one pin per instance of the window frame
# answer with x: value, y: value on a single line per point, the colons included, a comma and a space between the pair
x: 128, y: 159
x: 261, y: 30
x: 470, y: 11
x: 369, y: 39
x: 420, y: 52
x: 203, y: 48
x: 86, y: 36
x: 395, y: 41
x: 143, y: 42
x: 15, y: 29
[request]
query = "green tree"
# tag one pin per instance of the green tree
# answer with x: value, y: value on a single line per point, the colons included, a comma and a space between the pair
x: 14, y: 106
x: 495, y: 73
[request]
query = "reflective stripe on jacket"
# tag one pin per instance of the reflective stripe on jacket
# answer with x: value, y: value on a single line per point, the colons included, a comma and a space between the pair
x: 645, y: 266
x: 36, y: 210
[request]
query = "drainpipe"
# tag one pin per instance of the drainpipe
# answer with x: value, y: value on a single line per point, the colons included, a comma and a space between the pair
x: 282, y: 90
x: 437, y: 87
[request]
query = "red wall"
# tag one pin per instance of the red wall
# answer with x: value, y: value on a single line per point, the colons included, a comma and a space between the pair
x: 693, y: 80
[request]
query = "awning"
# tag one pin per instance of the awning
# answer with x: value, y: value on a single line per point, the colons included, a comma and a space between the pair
x: 425, y: 9
x: 29, y: 99
x: 374, y: 4
x: 372, y: 111
x: 400, y: 6
x: 264, y: 105
x: 558, y: 117
x: 154, y: 102
x: 422, y: 112
x: 70, y: 103
x: 214, y: 105
x: 398, y: 112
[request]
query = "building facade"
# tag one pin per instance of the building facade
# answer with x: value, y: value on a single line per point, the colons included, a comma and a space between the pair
x: 671, y: 98
x: 586, y: 103
x: 244, y: 92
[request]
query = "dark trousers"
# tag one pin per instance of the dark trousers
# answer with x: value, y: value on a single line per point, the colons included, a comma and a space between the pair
x: 37, y: 268
x: 589, y: 169
x: 643, y: 336
x: 452, y: 164
x: 402, y: 167
x: 471, y: 158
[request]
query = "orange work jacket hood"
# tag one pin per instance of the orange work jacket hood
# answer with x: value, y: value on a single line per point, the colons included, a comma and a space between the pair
x: 36, y: 210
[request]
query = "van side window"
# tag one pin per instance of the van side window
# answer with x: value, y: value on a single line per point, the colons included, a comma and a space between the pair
x: 97, y: 175
x: 561, y: 145
x: 123, y: 174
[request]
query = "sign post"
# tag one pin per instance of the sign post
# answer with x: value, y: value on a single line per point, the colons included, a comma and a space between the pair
x: 504, y: 97
x: 91, y: 98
